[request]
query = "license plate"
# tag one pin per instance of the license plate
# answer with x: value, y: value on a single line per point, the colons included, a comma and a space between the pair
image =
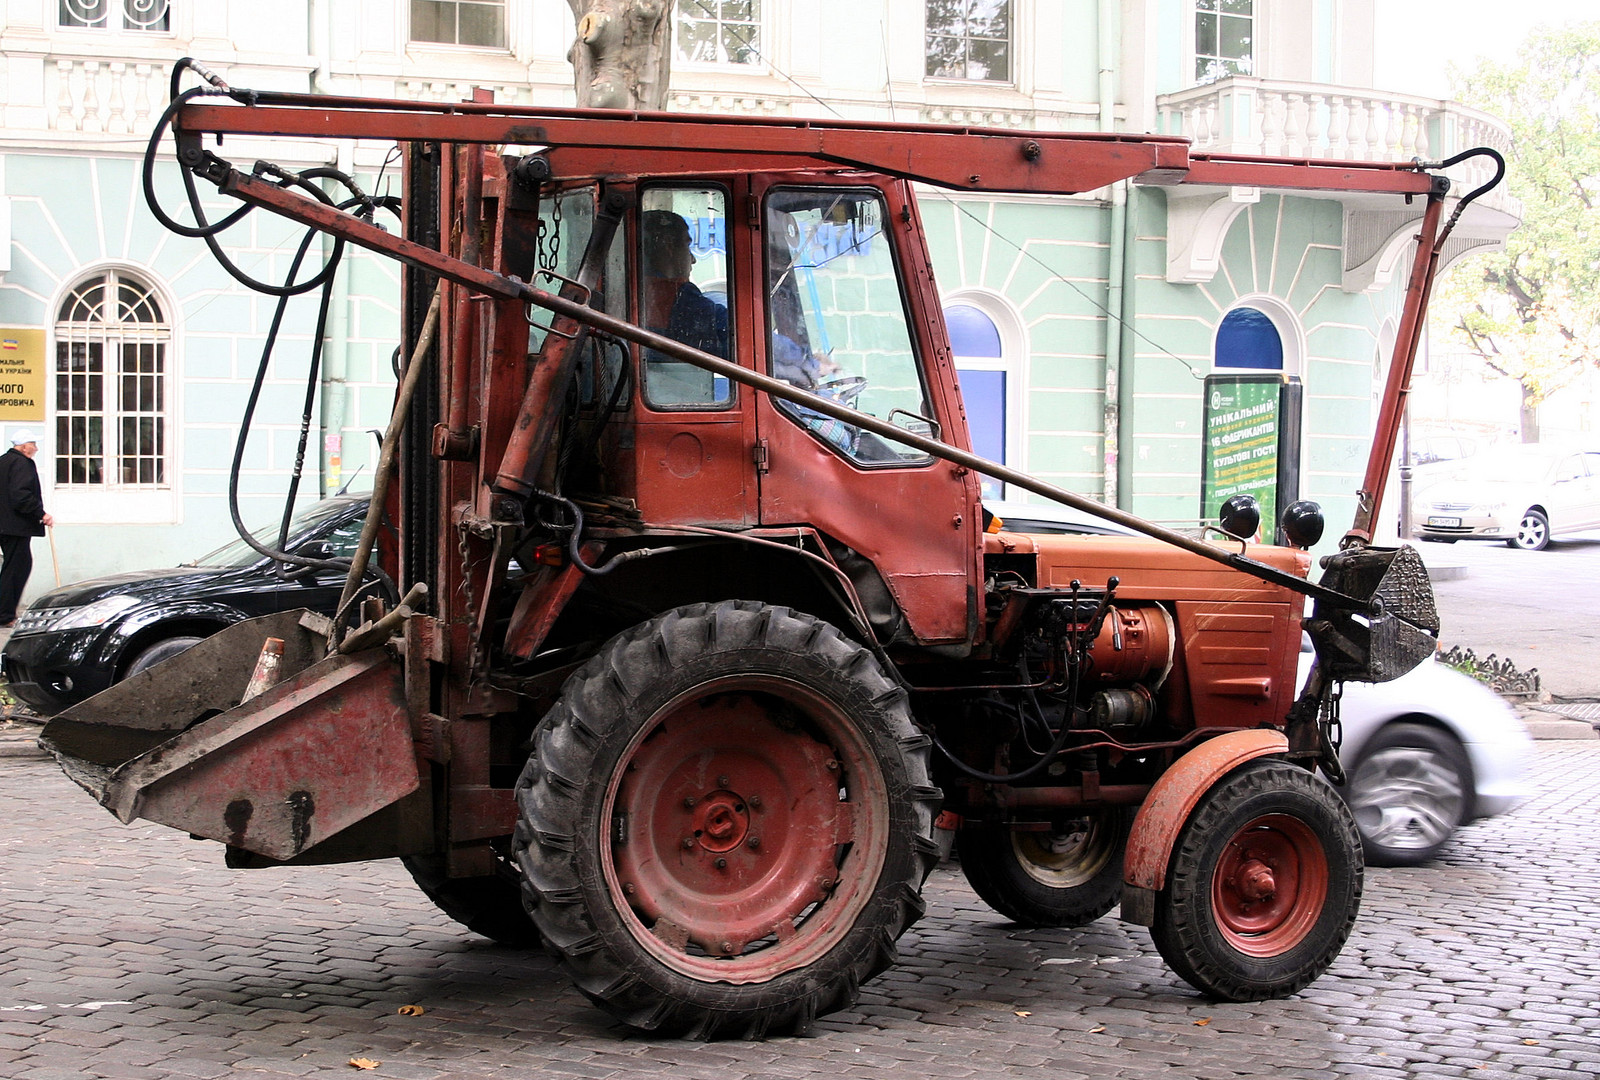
x: 1445, y: 522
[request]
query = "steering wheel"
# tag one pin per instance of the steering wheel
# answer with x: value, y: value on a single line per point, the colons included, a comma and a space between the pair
x: 843, y: 388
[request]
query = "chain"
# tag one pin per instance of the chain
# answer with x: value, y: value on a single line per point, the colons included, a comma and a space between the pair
x: 548, y: 236
x: 472, y: 607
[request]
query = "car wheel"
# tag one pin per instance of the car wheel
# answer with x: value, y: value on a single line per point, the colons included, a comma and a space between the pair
x: 1533, y: 532
x: 164, y: 649
x: 1409, y: 792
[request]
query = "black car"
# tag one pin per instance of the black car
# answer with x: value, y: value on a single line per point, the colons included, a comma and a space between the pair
x: 78, y: 640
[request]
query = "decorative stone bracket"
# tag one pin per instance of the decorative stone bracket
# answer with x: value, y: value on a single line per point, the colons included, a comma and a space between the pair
x: 1197, y: 224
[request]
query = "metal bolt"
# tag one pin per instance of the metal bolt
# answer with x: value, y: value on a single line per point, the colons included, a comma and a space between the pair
x: 688, y: 803
x: 831, y: 765
x: 753, y: 843
x: 824, y: 883
x: 754, y: 801
x: 627, y: 887
x: 688, y: 843
x: 727, y: 946
x: 721, y: 864
x: 722, y: 781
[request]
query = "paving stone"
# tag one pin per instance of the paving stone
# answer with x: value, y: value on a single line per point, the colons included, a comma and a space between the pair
x: 292, y: 972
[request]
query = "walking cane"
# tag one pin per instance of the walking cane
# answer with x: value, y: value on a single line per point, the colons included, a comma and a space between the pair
x: 55, y: 561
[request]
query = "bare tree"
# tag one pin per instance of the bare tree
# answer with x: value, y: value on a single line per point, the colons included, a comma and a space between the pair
x: 622, y: 57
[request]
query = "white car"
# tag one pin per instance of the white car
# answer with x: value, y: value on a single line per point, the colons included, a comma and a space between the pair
x: 1423, y: 755
x: 1522, y: 495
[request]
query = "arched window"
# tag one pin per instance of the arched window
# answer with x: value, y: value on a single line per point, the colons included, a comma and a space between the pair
x: 112, y: 350
x: 981, y: 367
x: 1247, y: 338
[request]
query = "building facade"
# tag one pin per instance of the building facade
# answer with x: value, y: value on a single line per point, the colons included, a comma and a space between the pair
x: 1085, y: 328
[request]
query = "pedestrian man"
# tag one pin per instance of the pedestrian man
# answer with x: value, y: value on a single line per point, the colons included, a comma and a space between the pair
x: 22, y: 517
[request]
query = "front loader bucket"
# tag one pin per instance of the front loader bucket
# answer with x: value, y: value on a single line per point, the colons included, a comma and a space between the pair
x: 1400, y: 631
x: 327, y: 746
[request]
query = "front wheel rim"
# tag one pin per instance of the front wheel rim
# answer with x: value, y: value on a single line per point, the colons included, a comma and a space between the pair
x: 744, y: 829
x: 1531, y: 532
x: 1270, y: 885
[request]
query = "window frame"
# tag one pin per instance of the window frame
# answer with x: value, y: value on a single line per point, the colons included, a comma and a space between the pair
x: 115, y: 20
x: 1012, y: 77
x: 759, y: 49
x: 1192, y: 32
x: 504, y: 45
x: 636, y: 254
x: 919, y: 356
x: 1012, y: 363
x: 119, y: 502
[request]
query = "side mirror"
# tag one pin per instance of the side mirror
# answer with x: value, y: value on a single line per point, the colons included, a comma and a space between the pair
x: 1241, y: 516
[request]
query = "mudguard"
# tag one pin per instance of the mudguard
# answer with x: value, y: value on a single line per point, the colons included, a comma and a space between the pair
x: 1167, y: 808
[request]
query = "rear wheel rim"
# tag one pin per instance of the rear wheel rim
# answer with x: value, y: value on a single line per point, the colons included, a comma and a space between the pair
x: 1270, y: 885
x: 745, y: 828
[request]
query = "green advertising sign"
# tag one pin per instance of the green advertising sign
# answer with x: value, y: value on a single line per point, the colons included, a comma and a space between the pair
x: 1251, y: 432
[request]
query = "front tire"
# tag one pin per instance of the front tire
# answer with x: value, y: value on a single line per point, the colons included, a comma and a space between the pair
x: 164, y: 649
x: 726, y: 822
x: 1409, y: 792
x: 1067, y: 875
x: 1263, y: 886
x: 1533, y: 532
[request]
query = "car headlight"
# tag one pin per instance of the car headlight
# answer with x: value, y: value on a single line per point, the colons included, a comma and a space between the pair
x: 102, y: 610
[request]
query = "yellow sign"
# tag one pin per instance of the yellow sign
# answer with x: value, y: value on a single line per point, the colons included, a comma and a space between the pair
x: 22, y: 373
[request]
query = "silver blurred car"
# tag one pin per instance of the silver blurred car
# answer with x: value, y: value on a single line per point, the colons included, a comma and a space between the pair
x: 1522, y: 495
x: 1424, y: 755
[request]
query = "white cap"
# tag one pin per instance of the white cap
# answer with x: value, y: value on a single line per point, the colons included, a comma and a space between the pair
x: 23, y: 435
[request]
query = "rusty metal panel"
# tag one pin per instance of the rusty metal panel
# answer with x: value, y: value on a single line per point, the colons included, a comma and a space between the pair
x: 285, y: 770
x: 1176, y: 793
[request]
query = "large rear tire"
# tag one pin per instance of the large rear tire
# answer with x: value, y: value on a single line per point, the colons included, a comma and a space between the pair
x: 727, y: 821
x: 1067, y: 875
x: 1263, y: 887
x: 491, y: 906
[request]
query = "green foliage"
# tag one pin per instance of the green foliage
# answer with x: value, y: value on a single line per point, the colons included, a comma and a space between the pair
x: 1532, y: 311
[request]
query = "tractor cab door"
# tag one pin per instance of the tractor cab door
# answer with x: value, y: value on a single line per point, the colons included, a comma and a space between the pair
x: 847, y: 311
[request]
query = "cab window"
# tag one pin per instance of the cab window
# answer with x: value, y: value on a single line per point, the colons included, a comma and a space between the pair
x: 683, y: 292
x: 836, y: 320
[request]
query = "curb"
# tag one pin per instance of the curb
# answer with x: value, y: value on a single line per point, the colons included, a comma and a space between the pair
x: 20, y: 740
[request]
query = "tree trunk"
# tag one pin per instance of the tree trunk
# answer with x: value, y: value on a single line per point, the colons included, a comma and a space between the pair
x: 622, y: 57
x: 1530, y: 414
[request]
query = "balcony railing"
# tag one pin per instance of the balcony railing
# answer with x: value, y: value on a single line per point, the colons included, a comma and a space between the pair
x: 1245, y: 115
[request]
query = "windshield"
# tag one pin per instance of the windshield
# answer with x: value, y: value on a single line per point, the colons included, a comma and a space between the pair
x: 1525, y: 468
x: 237, y: 553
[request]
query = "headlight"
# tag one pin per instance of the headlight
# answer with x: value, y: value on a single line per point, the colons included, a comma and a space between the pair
x: 95, y: 614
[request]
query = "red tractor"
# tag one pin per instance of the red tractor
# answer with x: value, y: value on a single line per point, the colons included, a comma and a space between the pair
x: 707, y: 638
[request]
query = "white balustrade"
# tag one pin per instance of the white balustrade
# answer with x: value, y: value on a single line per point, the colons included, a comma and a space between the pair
x: 98, y: 96
x: 1283, y: 119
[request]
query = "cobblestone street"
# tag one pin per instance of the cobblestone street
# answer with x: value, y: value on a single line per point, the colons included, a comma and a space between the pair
x: 131, y: 952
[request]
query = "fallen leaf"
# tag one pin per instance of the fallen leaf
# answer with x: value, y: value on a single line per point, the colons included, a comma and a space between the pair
x: 1530, y: 1042
x: 1023, y: 1012
x: 1202, y: 1023
x: 1097, y: 1030
x: 363, y: 1063
x: 411, y: 1010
